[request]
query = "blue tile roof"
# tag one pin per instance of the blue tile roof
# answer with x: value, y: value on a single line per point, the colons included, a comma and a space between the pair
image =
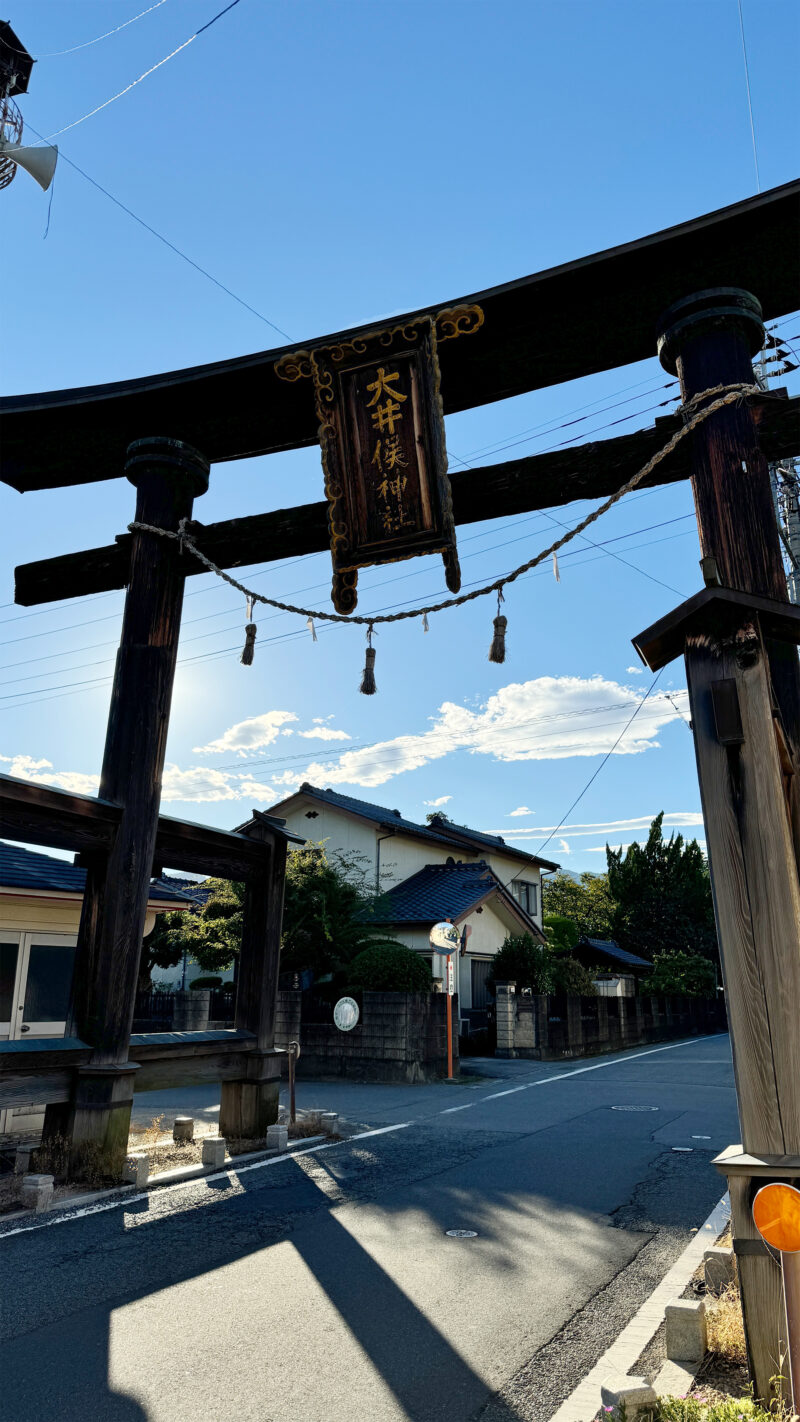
x: 607, y: 948
x: 22, y: 869
x: 441, y: 891
x: 440, y: 831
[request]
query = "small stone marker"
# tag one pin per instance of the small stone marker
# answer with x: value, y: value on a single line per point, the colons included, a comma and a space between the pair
x: 183, y: 1129
x: 37, y: 1192
x: 22, y: 1160
x: 719, y: 1269
x: 277, y: 1137
x: 329, y: 1121
x: 136, y: 1170
x: 686, y: 1330
x: 633, y: 1394
x: 213, y: 1151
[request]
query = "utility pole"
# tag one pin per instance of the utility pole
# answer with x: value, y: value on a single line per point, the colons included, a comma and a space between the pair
x: 738, y: 638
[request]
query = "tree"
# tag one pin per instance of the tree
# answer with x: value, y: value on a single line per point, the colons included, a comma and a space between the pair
x: 388, y: 967
x: 681, y: 975
x: 662, y: 896
x: 212, y: 935
x: 325, y: 894
x: 587, y: 902
x: 523, y: 961
x: 561, y: 933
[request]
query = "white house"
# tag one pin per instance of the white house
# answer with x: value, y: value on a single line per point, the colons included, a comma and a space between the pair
x: 429, y: 872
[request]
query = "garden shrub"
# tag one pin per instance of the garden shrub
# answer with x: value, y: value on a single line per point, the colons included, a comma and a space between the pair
x: 389, y: 967
x: 212, y: 980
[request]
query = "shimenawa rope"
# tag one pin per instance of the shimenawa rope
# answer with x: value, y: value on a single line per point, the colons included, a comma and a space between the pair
x: 719, y: 395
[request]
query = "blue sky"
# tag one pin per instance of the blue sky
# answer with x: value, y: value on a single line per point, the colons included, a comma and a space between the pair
x: 333, y: 163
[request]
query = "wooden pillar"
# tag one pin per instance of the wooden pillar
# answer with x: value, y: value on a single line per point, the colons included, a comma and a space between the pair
x: 744, y: 690
x: 707, y: 340
x: 168, y: 475
x: 249, y: 1105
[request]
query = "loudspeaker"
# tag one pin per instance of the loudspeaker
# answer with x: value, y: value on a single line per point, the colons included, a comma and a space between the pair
x: 39, y: 162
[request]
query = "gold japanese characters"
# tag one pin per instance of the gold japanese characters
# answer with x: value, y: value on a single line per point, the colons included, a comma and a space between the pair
x: 381, y: 430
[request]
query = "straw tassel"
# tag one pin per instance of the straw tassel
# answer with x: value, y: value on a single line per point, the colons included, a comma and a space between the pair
x: 425, y: 626
x: 556, y: 573
x: 312, y: 629
x: 368, y: 687
x: 249, y: 637
x: 497, y: 651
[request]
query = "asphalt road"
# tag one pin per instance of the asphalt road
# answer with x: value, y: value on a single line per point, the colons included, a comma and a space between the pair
x: 323, y: 1287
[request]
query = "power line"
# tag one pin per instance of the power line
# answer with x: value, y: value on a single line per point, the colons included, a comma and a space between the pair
x: 57, y: 53
x: 146, y: 75
x: 749, y: 99
x: 177, y: 250
x: 603, y: 762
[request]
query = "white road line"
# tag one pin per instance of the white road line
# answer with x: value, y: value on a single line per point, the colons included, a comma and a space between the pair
x: 450, y: 1109
x: 510, y: 1092
x: 585, y: 1401
x: 618, y: 1061
x: 129, y: 1200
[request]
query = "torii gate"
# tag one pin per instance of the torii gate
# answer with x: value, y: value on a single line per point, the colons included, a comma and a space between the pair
x: 738, y: 636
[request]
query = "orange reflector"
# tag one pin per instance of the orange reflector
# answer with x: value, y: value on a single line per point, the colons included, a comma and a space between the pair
x: 776, y: 1213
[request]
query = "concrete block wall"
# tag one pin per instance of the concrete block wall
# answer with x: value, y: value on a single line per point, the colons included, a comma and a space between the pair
x: 552, y: 1028
x: 399, y: 1037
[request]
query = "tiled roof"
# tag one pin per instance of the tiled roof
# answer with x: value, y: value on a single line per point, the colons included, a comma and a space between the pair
x: 441, y: 891
x: 440, y: 831
x: 609, y: 949
x: 22, y: 869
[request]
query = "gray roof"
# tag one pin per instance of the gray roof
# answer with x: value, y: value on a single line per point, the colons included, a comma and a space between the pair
x: 22, y: 869
x: 441, y: 891
x: 607, y: 948
x: 440, y: 831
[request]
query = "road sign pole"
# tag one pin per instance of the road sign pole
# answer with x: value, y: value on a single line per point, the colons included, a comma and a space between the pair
x: 449, y: 1030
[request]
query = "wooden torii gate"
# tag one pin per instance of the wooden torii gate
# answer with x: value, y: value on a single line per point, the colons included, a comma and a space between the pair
x: 690, y: 287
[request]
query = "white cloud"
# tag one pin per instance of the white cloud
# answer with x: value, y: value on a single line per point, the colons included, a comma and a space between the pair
x: 27, y: 768
x: 520, y: 810
x: 323, y: 733
x: 564, y: 847
x: 320, y: 720
x: 675, y: 819
x: 635, y: 671
x: 436, y: 804
x: 551, y: 718
x: 248, y: 735
x: 197, y: 783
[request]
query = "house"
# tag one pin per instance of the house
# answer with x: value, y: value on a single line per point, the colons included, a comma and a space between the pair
x: 428, y: 872
x: 622, y: 967
x: 40, y: 909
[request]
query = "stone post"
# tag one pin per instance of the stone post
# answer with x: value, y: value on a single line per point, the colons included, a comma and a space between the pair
x: 506, y: 1019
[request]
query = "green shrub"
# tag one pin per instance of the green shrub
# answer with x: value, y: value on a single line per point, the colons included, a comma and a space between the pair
x: 570, y: 977
x: 212, y: 980
x: 680, y: 975
x: 523, y: 961
x: 694, y: 1409
x: 389, y: 967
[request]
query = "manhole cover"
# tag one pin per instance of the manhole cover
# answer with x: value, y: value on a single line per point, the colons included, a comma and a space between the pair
x: 462, y: 1233
x: 635, y: 1108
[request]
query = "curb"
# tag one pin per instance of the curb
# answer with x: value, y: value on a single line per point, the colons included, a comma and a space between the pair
x: 608, y: 1381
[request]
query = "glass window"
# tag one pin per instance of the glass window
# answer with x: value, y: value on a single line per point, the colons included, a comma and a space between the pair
x: 49, y: 982
x: 525, y: 894
x: 9, y: 952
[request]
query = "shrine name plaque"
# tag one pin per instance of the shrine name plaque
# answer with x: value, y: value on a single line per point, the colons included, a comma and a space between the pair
x: 382, y: 438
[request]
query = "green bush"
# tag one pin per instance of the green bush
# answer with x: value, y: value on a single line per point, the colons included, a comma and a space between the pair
x: 523, y: 961
x: 680, y: 975
x: 212, y: 980
x: 562, y: 933
x: 694, y: 1409
x: 390, y: 967
x: 570, y: 977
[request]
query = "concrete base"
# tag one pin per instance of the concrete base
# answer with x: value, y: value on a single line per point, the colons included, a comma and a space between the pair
x: 136, y: 1170
x: 87, y: 1138
x: 183, y: 1129
x: 277, y: 1137
x: 37, y: 1192
x: 719, y: 1269
x: 248, y: 1108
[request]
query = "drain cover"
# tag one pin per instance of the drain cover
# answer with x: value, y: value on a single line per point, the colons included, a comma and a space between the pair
x: 462, y: 1233
x: 635, y: 1108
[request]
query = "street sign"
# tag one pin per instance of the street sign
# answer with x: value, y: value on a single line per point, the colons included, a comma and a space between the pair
x: 346, y: 1014
x: 445, y: 937
x: 450, y: 978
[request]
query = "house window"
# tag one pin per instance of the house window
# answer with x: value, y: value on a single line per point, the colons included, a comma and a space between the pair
x: 525, y: 894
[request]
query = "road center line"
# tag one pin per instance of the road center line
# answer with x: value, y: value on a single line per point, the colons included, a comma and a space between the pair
x: 512, y: 1089
x: 450, y: 1109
